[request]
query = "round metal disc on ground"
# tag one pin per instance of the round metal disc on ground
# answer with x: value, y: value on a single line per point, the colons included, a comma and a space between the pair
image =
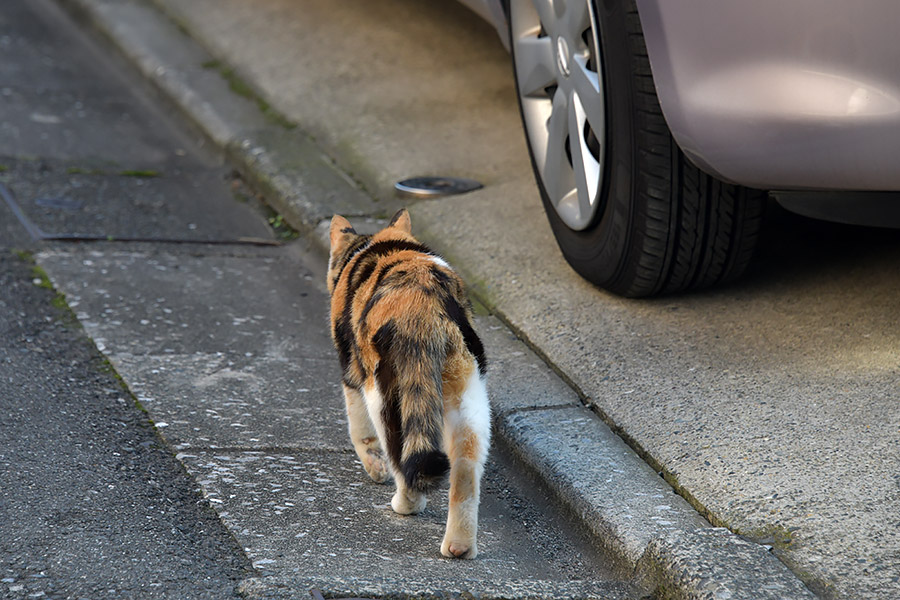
x: 435, y: 187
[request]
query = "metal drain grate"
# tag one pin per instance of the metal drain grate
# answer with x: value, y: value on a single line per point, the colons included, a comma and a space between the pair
x: 436, y: 187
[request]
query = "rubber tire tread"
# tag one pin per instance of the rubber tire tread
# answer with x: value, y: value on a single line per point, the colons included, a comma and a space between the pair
x: 696, y: 231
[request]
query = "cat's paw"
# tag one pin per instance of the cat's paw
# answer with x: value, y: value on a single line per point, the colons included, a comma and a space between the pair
x: 375, y: 465
x: 459, y: 549
x: 404, y: 505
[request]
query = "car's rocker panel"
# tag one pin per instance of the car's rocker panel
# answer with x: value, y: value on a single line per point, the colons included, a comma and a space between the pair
x: 774, y: 95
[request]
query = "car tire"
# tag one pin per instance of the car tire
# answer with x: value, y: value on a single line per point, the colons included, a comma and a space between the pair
x: 629, y: 211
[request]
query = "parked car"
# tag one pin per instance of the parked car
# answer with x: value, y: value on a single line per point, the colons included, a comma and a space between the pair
x: 655, y: 125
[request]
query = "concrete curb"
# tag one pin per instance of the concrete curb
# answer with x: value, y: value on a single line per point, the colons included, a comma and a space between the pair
x: 633, y: 512
x: 713, y: 563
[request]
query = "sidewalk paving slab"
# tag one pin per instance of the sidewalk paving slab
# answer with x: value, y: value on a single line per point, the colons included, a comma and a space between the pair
x: 273, y: 458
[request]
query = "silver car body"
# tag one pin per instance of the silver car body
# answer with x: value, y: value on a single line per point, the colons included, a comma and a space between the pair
x: 492, y: 12
x: 776, y: 94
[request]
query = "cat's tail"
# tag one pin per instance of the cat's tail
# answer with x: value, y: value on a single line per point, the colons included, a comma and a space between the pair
x: 409, y: 379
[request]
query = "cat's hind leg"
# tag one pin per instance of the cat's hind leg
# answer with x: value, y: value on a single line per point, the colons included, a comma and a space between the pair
x: 467, y: 431
x: 364, y: 437
x: 407, y: 501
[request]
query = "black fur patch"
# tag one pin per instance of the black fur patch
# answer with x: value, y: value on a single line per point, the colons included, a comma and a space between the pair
x: 386, y: 376
x: 342, y: 261
x: 441, y: 278
x: 343, y: 339
x: 473, y: 342
x: 362, y: 273
x: 385, y: 247
x: 425, y: 471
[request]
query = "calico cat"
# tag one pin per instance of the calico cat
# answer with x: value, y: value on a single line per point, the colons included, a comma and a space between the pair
x: 413, y: 371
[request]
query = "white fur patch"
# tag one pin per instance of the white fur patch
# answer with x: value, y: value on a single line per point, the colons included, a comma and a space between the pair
x: 439, y: 261
x: 374, y: 403
x: 474, y: 411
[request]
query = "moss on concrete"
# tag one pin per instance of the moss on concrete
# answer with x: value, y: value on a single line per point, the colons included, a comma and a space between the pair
x: 240, y: 87
x: 144, y: 173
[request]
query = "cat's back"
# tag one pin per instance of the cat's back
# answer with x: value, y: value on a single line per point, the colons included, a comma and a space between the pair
x: 391, y: 286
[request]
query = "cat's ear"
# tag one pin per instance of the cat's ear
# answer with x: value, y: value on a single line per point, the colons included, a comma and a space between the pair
x: 341, y: 232
x: 401, y: 221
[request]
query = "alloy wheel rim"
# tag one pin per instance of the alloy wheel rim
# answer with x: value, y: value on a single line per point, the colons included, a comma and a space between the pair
x: 560, y: 86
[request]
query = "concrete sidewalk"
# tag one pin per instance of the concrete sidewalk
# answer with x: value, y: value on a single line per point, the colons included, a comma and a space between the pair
x: 722, y: 391
x: 246, y: 389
